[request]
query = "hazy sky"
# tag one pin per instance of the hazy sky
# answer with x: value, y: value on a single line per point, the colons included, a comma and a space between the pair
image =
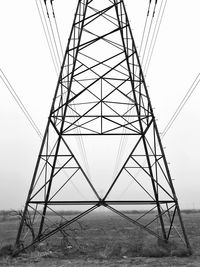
x: 25, y: 59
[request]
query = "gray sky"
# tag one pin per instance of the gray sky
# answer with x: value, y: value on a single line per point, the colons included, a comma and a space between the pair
x: 25, y: 59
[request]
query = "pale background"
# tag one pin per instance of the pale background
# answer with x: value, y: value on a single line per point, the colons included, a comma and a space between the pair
x: 25, y: 59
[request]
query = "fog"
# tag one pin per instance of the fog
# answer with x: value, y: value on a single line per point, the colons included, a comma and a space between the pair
x: 26, y: 61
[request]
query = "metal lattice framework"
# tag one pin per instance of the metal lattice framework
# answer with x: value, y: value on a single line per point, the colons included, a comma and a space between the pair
x: 101, y: 91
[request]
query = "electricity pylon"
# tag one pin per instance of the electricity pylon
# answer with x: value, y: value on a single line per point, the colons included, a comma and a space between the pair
x: 101, y: 91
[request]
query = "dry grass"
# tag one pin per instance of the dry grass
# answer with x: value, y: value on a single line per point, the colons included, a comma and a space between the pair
x: 104, y: 241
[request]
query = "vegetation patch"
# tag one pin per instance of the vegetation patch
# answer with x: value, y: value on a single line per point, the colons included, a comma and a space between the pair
x: 101, y: 238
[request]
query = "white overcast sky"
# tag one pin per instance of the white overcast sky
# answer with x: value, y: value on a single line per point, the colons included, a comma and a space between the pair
x: 25, y: 59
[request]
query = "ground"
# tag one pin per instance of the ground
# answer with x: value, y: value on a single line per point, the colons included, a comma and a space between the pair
x: 104, y: 241
x: 193, y: 261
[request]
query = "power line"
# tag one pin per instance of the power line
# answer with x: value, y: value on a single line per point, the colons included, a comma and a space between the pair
x: 147, y: 39
x: 52, y: 32
x: 19, y: 103
x: 57, y: 30
x: 144, y: 30
x: 181, y: 105
x: 149, y: 32
x: 47, y: 36
x: 155, y: 33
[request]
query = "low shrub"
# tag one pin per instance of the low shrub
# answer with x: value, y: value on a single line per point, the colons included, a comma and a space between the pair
x: 6, y: 250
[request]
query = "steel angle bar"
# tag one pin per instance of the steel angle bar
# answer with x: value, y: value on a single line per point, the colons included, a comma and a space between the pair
x: 136, y: 131
x: 101, y: 202
x: 118, y: 175
x: 171, y: 221
x: 84, y: 174
x: 76, y: 126
x: 134, y: 222
x: 135, y: 179
x: 152, y: 177
x: 99, y: 63
x: 54, y: 231
x: 73, y: 98
x: 157, y: 217
x: 106, y: 15
x: 88, y: 43
x: 98, y: 13
x: 64, y: 184
x: 62, y: 167
x: 146, y: 213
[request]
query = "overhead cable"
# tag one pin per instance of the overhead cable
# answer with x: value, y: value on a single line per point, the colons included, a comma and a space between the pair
x: 58, y: 35
x: 52, y: 33
x: 181, y: 105
x: 144, y: 30
x: 57, y: 30
x: 48, y: 37
x: 19, y: 103
x: 154, y: 36
x: 149, y: 32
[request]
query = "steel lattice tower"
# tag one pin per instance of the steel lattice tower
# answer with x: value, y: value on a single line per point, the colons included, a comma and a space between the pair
x: 101, y: 91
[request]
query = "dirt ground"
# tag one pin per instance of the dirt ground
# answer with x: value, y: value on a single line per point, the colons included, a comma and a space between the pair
x: 35, y: 261
x: 112, y: 243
